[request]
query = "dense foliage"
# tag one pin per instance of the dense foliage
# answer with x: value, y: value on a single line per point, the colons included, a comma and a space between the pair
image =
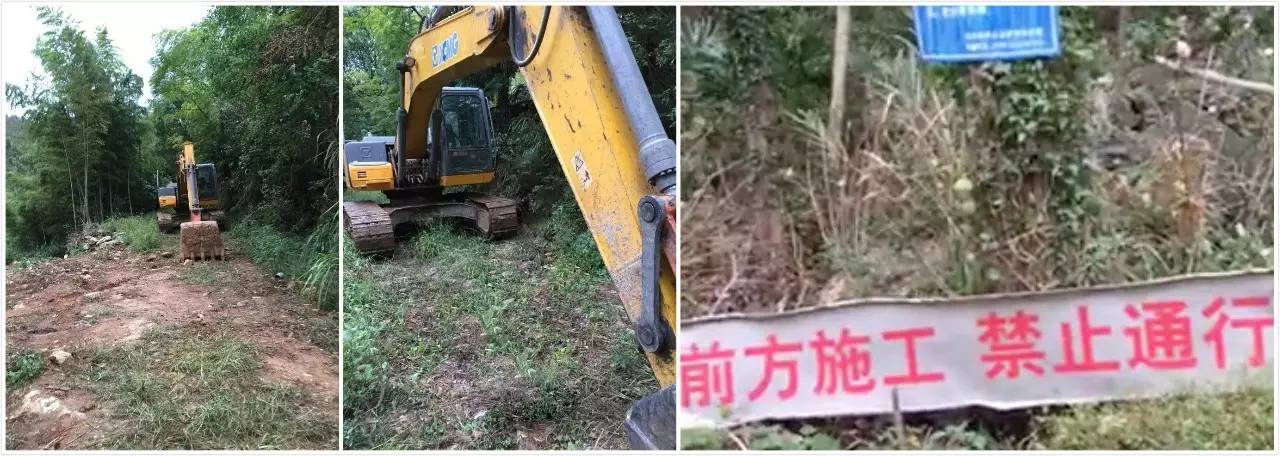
x: 1100, y: 166
x: 377, y: 37
x: 1028, y: 175
x: 73, y: 156
x: 253, y: 87
x: 256, y: 90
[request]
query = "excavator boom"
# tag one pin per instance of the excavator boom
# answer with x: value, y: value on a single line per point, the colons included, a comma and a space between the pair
x: 577, y: 65
x: 199, y: 238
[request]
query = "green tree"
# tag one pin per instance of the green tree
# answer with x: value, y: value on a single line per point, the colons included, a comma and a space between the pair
x: 73, y: 160
x: 255, y: 89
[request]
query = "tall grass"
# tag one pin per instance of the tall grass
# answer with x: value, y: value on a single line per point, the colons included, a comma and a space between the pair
x: 1096, y: 167
x: 949, y: 181
x: 24, y: 257
x: 312, y: 260
x: 138, y: 232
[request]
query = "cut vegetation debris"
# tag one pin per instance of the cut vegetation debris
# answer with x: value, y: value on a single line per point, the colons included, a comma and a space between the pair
x: 116, y: 349
x: 1097, y: 167
x: 458, y: 343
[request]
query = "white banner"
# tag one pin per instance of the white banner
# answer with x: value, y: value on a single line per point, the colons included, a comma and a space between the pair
x: 999, y: 351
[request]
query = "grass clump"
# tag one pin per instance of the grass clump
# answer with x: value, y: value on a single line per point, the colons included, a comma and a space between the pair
x: 181, y: 391
x: 139, y: 233
x: 202, y: 273
x: 312, y: 259
x: 1241, y: 420
x: 25, y: 258
x: 22, y: 367
x: 532, y: 343
x: 377, y: 197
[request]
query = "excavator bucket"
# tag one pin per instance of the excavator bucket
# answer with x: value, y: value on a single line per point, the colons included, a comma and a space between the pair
x: 201, y: 241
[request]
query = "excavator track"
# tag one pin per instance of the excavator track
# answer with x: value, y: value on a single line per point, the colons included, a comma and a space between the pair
x: 166, y: 222
x: 497, y: 218
x: 369, y: 226
x: 372, y: 225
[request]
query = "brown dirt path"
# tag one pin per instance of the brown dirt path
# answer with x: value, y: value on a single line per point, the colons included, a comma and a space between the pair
x: 111, y: 297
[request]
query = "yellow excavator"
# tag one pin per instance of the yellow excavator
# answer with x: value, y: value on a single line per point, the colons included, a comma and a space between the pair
x: 191, y: 206
x: 580, y: 72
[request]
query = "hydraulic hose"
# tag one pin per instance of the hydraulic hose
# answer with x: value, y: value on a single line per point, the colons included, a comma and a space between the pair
x: 537, y: 41
x: 657, y: 150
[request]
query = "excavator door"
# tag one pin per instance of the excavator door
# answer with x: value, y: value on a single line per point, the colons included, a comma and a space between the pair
x: 462, y: 137
x: 207, y: 185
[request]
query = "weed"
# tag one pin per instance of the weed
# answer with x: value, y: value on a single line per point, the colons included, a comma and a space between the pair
x: 22, y: 367
x: 964, y: 179
x: 312, y: 260
x: 527, y: 332
x: 377, y: 197
x: 183, y: 391
x: 1232, y: 421
x: 1235, y: 421
x: 25, y: 258
x: 139, y: 233
x: 202, y: 273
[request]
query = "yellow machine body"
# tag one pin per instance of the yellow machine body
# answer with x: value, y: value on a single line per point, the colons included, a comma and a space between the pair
x: 368, y: 177
x: 584, y: 118
x: 191, y: 206
x: 466, y: 179
x: 568, y: 78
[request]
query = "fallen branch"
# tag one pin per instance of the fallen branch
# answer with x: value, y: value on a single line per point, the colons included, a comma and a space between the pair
x: 1217, y: 77
x: 738, y: 441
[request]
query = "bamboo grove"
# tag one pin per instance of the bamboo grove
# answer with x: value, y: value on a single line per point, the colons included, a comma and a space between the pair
x: 255, y: 88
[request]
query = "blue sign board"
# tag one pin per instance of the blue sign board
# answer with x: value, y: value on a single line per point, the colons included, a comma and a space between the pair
x: 969, y: 33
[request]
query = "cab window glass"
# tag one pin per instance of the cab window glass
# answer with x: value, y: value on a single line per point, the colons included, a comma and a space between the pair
x: 464, y: 122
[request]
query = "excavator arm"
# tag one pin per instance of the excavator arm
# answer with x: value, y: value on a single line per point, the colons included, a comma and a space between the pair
x: 598, y: 114
x: 198, y: 237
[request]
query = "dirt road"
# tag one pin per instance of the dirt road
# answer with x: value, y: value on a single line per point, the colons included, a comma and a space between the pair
x: 120, y: 314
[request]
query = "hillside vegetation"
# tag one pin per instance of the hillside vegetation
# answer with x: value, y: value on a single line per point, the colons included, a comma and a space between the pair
x: 253, y: 87
x: 1100, y: 166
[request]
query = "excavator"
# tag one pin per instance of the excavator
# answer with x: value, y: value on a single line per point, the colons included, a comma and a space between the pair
x: 460, y: 151
x: 191, y: 206
x: 583, y: 78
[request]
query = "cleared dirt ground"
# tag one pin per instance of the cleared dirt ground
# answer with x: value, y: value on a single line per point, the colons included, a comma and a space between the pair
x: 168, y: 355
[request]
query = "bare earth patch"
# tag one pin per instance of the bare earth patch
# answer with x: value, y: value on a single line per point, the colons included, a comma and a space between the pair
x: 110, y: 298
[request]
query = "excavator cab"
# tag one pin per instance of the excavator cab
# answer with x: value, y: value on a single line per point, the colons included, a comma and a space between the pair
x: 460, y: 140
x: 461, y: 136
x: 207, y: 185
